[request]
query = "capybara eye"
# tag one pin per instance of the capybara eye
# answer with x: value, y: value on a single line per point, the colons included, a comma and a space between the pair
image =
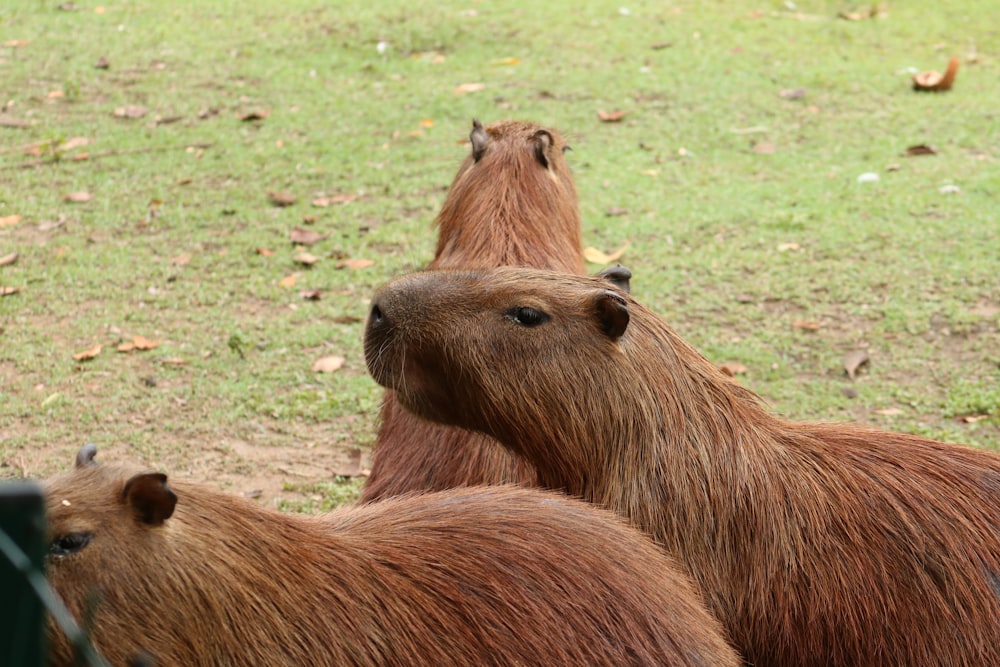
x: 70, y: 543
x: 527, y: 317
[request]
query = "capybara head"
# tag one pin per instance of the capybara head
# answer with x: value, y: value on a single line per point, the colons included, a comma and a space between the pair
x: 513, y: 202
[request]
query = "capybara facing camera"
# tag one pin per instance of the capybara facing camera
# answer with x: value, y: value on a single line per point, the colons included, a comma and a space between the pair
x: 512, y: 202
x: 815, y: 544
x: 488, y: 576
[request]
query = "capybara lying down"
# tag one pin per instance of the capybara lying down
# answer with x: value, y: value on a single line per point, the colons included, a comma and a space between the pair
x: 487, y: 576
x: 513, y: 202
x: 815, y: 544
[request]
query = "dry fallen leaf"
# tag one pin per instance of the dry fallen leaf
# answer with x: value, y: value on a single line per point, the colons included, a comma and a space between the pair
x: 7, y: 291
x: 323, y: 202
x: 130, y: 111
x: 595, y: 256
x: 181, y: 260
x: 806, y: 325
x: 972, y: 419
x: 173, y: 361
x: 138, y: 343
x: 764, y: 148
x: 610, y: 116
x: 347, y: 319
x: 615, y: 210
x: 888, y: 411
x: 306, y: 259
x: 935, y: 82
x: 76, y: 142
x: 102, y: 63
x: 88, y: 354
x: 785, y: 247
x: 855, y: 360
x: 505, y: 62
x: 306, y: 237
x: 282, y: 198
x: 920, y: 149
x: 354, y: 263
x: 8, y: 259
x: 265, y: 252
x: 288, y: 281
x: 469, y: 88
x: 311, y: 294
x: 427, y: 123
x: 78, y: 197
x: 9, y: 220
x: 327, y: 364
x: 257, y: 114
x: 792, y: 93
x: 732, y: 368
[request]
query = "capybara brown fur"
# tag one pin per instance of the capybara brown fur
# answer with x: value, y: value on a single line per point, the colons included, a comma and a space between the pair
x: 512, y: 203
x: 815, y: 544
x: 484, y: 576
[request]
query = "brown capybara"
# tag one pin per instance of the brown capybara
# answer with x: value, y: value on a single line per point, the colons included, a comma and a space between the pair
x: 485, y: 576
x: 814, y: 544
x: 512, y: 203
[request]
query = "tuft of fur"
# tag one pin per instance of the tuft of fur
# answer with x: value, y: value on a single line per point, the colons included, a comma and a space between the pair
x: 815, y: 544
x: 487, y: 576
x: 512, y: 203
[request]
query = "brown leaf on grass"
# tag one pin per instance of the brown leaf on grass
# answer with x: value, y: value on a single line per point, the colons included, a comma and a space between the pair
x: 288, y: 281
x: 282, y: 198
x: 888, y: 411
x: 167, y: 120
x: 181, y: 260
x: 354, y: 264
x: 88, y: 354
x: 463, y: 88
x: 785, y: 247
x: 895, y: 166
x: 661, y: 45
x: 920, y: 149
x: 306, y: 259
x: 102, y: 63
x: 854, y: 360
x: 611, y: 116
x: 8, y: 259
x: 130, y: 111
x: 309, y: 219
x: 323, y: 202
x: 935, y: 82
x: 76, y: 142
x: 971, y: 419
x: 78, y: 197
x: 792, y: 93
x: 764, y: 148
x: 305, y: 236
x: 139, y: 343
x: 806, y: 325
x: 732, y: 368
x: 328, y: 364
x: 311, y: 294
x: 256, y: 114
x: 9, y: 220
x: 7, y: 121
x: 173, y: 361
x: 615, y: 211
x: 265, y: 252
x: 16, y: 42
x: 347, y: 319
x: 7, y: 291
x: 595, y: 256
x: 69, y: 7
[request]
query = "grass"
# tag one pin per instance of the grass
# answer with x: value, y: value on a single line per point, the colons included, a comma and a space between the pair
x: 743, y: 210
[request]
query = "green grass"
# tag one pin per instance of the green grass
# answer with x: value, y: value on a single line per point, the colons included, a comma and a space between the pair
x: 895, y: 267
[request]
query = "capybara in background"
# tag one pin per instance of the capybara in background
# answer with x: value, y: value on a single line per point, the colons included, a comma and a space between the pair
x: 512, y: 203
x: 484, y: 576
x: 815, y: 544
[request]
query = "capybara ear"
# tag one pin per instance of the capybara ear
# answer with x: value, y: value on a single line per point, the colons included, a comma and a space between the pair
x: 478, y: 137
x: 618, y: 276
x: 543, y: 144
x: 611, y: 309
x: 85, y: 457
x: 150, y: 498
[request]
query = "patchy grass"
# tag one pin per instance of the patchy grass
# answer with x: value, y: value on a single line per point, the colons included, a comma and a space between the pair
x: 742, y: 207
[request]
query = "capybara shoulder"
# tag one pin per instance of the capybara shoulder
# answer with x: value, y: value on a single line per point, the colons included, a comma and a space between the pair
x: 827, y: 544
x: 489, y: 576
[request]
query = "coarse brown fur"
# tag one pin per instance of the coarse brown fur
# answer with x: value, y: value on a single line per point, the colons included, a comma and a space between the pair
x: 815, y: 544
x: 486, y: 576
x: 512, y: 203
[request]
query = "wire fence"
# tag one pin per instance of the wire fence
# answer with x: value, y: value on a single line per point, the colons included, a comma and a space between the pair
x: 27, y: 594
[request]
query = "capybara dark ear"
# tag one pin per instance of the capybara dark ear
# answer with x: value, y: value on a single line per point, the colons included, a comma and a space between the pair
x: 479, y: 138
x: 611, y: 309
x: 85, y: 457
x: 618, y: 276
x: 150, y: 498
x: 543, y: 144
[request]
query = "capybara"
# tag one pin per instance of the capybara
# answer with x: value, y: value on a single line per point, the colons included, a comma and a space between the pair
x: 512, y: 203
x: 484, y: 576
x: 814, y: 544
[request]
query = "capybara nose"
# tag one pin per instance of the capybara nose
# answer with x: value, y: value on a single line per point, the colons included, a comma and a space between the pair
x: 376, y: 317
